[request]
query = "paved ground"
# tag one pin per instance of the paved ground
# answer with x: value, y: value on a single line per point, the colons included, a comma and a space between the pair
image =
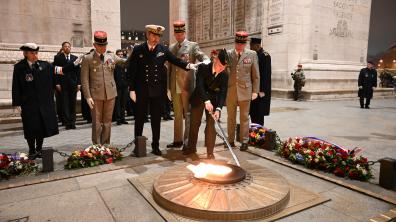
x: 109, y: 197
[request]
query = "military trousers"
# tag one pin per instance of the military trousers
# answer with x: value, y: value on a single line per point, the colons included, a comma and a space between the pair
x: 244, y: 106
x: 102, y: 113
x: 181, y: 109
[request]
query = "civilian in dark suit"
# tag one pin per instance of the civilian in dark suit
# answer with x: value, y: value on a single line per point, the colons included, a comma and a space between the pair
x: 33, y: 85
x: 260, y: 107
x: 209, y: 95
x: 148, y: 84
x: 69, y: 84
x: 120, y: 78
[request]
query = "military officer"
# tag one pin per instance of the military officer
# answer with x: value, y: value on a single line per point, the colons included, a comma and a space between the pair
x: 299, y: 81
x: 243, y: 86
x: 182, y: 82
x: 98, y: 86
x: 367, y: 82
x: 260, y: 107
x: 148, y: 82
x: 33, y: 85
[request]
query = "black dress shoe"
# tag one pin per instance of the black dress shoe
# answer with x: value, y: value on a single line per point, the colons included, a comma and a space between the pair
x: 232, y: 145
x: 211, y: 156
x: 73, y: 127
x: 32, y: 156
x: 189, y: 151
x: 244, y: 147
x: 119, y: 123
x: 39, y: 154
x: 175, y: 145
x: 367, y: 107
x: 68, y: 127
x: 156, y: 152
x: 124, y: 122
x: 89, y: 121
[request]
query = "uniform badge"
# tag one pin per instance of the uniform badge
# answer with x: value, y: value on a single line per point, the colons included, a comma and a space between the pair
x: 247, y: 61
x: 141, y: 56
x: 29, y: 77
x: 160, y: 54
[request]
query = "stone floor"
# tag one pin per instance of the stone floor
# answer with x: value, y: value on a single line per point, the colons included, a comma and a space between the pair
x: 108, y: 196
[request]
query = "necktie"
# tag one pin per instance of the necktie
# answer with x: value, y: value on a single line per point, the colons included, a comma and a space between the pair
x: 239, y: 56
x: 179, y: 45
x: 102, y: 57
x: 67, y: 58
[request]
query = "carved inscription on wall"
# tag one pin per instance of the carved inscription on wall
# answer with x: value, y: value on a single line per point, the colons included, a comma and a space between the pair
x: 343, y: 12
x: 216, y: 19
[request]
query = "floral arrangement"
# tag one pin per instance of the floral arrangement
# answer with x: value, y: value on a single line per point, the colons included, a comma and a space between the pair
x: 318, y: 154
x: 256, y: 134
x: 16, y: 164
x: 93, y: 156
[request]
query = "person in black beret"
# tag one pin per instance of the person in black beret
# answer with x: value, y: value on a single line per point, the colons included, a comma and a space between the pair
x: 209, y: 96
x: 33, y: 85
x: 260, y: 107
x: 367, y: 82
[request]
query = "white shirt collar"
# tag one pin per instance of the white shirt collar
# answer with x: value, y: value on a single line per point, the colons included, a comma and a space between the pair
x: 149, y: 46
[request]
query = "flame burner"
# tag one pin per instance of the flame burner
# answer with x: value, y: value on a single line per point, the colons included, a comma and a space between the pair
x: 242, y: 194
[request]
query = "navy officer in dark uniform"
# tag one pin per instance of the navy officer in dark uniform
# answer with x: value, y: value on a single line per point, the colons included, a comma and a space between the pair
x: 148, y: 82
x: 209, y: 95
x: 367, y: 82
x: 33, y: 85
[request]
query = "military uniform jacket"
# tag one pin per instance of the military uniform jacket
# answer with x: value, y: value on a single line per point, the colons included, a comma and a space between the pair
x: 33, y: 90
x: 147, y: 72
x: 120, y: 76
x: 244, y: 76
x: 71, y: 79
x: 299, y: 78
x: 181, y: 80
x: 367, y: 80
x: 97, y: 78
x: 209, y: 87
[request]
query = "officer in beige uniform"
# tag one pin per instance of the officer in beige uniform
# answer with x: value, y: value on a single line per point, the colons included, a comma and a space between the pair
x: 181, y: 82
x: 97, y: 80
x: 243, y: 86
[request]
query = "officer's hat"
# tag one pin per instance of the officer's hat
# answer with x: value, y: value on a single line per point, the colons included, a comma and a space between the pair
x: 155, y: 29
x: 30, y: 47
x: 241, y: 37
x: 255, y: 41
x: 299, y: 65
x: 100, y: 38
x: 179, y: 26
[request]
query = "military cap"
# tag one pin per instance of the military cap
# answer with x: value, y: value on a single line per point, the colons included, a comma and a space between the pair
x: 100, y: 38
x: 255, y: 40
x: 179, y: 26
x: 241, y: 37
x: 30, y: 47
x: 155, y: 29
x: 299, y: 65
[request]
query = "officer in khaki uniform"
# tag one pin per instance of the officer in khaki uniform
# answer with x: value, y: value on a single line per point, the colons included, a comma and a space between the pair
x: 243, y: 86
x: 181, y: 82
x: 97, y: 80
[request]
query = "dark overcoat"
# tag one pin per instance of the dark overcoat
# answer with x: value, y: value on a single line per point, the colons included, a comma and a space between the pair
x: 33, y: 91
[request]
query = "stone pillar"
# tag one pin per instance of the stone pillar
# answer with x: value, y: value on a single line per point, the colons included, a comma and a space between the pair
x: 106, y: 16
x: 178, y: 9
x: 328, y: 37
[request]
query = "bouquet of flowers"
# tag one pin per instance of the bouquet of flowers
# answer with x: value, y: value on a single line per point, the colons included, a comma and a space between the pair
x: 256, y: 134
x: 322, y: 155
x: 16, y: 164
x: 93, y: 156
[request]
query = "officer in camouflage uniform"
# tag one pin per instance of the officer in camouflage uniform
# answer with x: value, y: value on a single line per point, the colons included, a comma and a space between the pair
x: 299, y: 81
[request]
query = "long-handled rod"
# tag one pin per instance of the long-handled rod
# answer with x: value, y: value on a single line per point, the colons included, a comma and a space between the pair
x: 225, y: 139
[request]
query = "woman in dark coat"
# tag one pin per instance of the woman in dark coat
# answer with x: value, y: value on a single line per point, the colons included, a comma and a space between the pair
x: 33, y: 86
x: 209, y: 96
